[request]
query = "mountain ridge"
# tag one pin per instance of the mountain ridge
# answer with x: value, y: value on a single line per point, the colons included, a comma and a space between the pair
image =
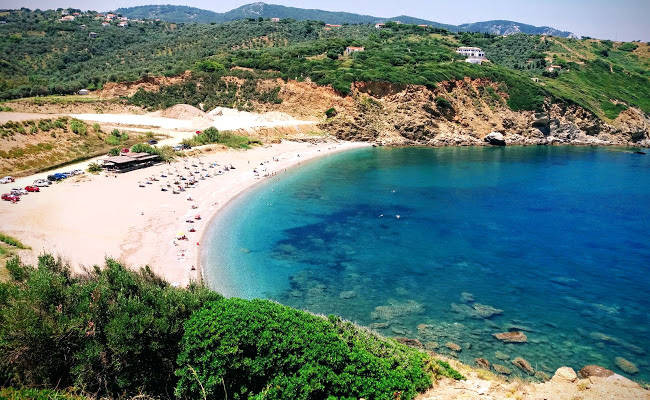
x: 185, y: 14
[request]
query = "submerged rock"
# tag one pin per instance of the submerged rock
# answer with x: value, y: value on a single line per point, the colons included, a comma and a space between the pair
x: 431, y: 346
x: 627, y: 366
x: 495, y: 139
x: 396, y: 310
x: 511, y: 337
x: 502, y: 369
x: 565, y: 374
x: 379, y: 325
x: 410, y: 342
x: 466, y: 297
x: 501, y: 356
x: 485, y: 311
x: 523, y: 365
x: 542, y: 376
x: 482, y: 363
x: 453, y: 346
x: 594, y: 370
x: 348, y: 294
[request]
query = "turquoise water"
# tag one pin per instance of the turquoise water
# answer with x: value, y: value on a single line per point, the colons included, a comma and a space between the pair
x: 554, y: 237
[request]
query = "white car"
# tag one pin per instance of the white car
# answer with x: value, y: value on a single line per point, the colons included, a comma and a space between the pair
x: 42, y: 183
x: 75, y: 172
x: 18, y: 191
x: 7, y: 179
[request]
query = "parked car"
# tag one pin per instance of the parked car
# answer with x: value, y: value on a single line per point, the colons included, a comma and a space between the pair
x: 7, y: 179
x: 153, y: 141
x: 42, y: 183
x: 186, y: 146
x: 32, y: 189
x: 198, y: 132
x: 125, y: 150
x: 75, y: 172
x: 178, y: 148
x: 56, y: 177
x: 18, y: 191
x: 10, y: 197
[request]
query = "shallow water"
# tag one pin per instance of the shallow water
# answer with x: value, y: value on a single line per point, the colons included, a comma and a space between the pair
x: 555, y: 237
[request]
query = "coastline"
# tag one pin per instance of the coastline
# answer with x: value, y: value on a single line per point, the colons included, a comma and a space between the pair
x: 90, y: 217
x: 241, y: 191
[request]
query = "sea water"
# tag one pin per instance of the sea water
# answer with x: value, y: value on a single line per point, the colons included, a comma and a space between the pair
x: 453, y: 245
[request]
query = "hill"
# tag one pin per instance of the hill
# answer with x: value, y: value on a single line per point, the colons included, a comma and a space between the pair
x: 171, y: 13
x: 42, y: 55
x: 185, y: 14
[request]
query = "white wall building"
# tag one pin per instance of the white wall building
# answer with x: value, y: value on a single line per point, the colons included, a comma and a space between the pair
x: 473, y: 52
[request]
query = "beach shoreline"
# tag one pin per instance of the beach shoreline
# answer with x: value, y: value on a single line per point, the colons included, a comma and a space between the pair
x: 304, y: 159
x: 88, y: 218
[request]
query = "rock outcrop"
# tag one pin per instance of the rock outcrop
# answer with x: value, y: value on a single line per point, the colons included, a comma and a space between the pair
x: 594, y: 370
x: 512, y: 337
x: 565, y: 374
x: 495, y: 139
x: 523, y: 365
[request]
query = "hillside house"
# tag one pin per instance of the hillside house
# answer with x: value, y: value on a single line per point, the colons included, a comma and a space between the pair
x: 67, y: 18
x: 472, y: 52
x: 106, y: 23
x: 423, y: 26
x: 275, y: 19
x: 83, y: 92
x: 92, y: 35
x: 554, y: 68
x: 380, y: 25
x: 351, y: 50
x: 123, y: 24
x: 332, y: 26
x: 83, y: 26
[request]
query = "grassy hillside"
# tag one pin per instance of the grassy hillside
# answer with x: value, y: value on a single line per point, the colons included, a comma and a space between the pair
x: 44, y: 56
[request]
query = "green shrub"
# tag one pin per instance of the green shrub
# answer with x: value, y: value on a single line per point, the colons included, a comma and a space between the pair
x: 78, y: 127
x: 261, y: 349
x: 114, y: 151
x: 612, y: 110
x: 331, y: 112
x: 628, y: 46
x: 111, y: 332
x: 94, y: 168
x: 97, y: 128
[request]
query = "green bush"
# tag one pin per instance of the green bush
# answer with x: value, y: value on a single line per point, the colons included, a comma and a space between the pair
x: 78, y: 127
x: 628, y: 46
x: 331, y: 112
x: 261, y: 349
x: 111, y: 332
x: 212, y: 135
x: 94, y: 168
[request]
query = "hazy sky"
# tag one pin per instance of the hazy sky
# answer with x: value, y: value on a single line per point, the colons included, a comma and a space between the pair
x: 618, y: 20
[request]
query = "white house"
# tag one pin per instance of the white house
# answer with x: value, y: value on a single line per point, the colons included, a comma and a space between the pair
x: 275, y: 19
x: 92, y: 35
x: 123, y: 24
x: 351, y: 50
x: 380, y: 25
x: 473, y: 52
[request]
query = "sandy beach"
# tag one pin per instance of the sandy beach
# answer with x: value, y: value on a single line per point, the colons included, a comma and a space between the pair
x: 89, y: 217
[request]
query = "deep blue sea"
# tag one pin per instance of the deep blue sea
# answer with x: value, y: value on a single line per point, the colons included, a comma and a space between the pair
x: 427, y: 243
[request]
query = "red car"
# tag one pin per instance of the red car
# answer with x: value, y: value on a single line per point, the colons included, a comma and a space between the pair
x: 10, y: 197
x: 32, y: 188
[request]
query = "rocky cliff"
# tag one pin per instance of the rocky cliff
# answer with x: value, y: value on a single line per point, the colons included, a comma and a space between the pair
x: 455, y: 113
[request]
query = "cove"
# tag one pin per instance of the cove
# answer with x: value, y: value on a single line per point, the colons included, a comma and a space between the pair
x: 454, y: 245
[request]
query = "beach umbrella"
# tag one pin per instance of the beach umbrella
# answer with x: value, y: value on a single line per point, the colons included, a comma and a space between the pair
x: 180, y: 235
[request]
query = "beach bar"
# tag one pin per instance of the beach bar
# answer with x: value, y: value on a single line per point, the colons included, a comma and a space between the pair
x: 130, y: 161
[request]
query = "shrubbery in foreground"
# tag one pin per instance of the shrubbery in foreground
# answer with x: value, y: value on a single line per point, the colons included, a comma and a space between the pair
x: 117, y: 333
